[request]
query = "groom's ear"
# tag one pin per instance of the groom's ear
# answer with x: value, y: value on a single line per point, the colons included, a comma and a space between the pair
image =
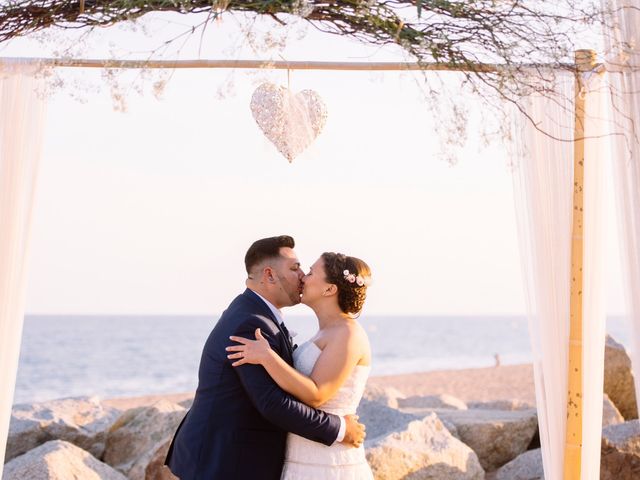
x: 268, y: 275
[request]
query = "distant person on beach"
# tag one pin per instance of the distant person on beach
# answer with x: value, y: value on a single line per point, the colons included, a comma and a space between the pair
x: 242, y: 419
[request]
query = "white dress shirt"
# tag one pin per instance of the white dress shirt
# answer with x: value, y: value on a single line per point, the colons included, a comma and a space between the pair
x: 278, y: 314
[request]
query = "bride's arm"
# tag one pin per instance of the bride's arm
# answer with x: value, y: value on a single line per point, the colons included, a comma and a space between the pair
x: 332, y: 368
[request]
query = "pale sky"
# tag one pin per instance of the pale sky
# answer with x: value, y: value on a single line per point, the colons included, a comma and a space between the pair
x: 151, y: 211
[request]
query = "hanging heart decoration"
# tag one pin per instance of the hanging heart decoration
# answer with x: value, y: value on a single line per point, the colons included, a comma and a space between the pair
x: 291, y: 122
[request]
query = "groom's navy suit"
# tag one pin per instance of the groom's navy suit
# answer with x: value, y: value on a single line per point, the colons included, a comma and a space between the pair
x: 238, y: 424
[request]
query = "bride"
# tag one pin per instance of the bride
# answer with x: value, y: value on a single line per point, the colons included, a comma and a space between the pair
x: 331, y: 369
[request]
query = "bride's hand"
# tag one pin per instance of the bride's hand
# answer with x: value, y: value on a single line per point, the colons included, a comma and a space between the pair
x: 249, y: 351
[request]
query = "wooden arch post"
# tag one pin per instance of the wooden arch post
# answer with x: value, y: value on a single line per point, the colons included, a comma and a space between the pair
x: 585, y: 61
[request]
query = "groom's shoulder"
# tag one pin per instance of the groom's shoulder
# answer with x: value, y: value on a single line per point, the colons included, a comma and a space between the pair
x: 244, y: 311
x: 243, y: 303
x: 250, y: 320
x: 257, y: 320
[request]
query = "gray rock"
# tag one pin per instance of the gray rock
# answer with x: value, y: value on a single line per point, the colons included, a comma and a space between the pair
x: 424, y: 450
x: 381, y: 419
x: 156, y: 469
x: 496, y: 436
x: 453, y: 430
x: 507, y: 405
x: 527, y: 466
x: 423, y: 406
x: 186, y: 403
x: 58, y: 460
x: 385, y: 395
x: 620, y: 455
x: 136, y: 436
x: 623, y: 435
x: 82, y: 421
x: 432, y: 402
x: 610, y: 414
x: 618, y: 379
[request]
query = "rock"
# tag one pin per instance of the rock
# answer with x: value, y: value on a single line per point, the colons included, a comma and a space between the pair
x: 527, y: 466
x: 453, y: 430
x: 508, y: 405
x: 82, y: 421
x: 157, y: 470
x: 186, y: 403
x: 422, y: 406
x: 432, y: 402
x: 620, y: 455
x: 618, y: 379
x: 385, y: 395
x: 535, y: 441
x: 610, y: 414
x: 381, y: 419
x: 496, y: 436
x: 423, y: 450
x: 136, y: 436
x: 58, y: 460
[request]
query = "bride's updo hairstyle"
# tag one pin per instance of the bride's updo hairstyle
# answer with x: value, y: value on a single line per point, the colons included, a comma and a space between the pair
x: 352, y: 276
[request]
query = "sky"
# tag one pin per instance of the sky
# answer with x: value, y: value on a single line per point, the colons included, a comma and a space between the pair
x: 151, y: 210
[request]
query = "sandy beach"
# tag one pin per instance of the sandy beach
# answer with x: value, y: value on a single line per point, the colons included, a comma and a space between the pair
x: 509, y: 382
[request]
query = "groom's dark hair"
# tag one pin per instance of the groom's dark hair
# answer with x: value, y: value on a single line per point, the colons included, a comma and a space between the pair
x: 266, y: 248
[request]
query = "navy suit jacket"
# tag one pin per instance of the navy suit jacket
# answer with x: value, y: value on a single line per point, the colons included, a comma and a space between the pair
x: 238, y: 423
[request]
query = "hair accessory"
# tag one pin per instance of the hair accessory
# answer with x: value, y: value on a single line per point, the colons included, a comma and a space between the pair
x: 351, y: 278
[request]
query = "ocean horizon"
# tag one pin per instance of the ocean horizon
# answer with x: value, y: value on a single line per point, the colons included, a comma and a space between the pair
x: 133, y: 355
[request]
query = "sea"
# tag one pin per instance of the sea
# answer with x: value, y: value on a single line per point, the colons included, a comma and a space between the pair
x: 124, y: 355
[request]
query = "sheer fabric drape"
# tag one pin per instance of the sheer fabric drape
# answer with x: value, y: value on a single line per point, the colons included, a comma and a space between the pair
x: 543, y: 179
x: 543, y: 194
x: 623, y: 67
x: 21, y: 123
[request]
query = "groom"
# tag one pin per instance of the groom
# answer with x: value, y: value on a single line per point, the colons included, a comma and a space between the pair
x: 238, y: 424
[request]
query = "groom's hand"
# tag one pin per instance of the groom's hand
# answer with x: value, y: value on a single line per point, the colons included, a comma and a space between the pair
x: 355, y: 433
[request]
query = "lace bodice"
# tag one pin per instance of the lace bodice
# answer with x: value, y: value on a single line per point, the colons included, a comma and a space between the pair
x: 348, y: 396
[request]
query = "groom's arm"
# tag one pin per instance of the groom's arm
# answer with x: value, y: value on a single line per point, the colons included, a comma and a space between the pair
x: 275, y: 404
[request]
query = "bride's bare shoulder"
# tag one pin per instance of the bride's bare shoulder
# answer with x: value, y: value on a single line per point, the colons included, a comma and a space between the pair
x: 347, y: 331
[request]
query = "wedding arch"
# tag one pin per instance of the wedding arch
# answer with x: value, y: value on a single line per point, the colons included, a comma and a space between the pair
x: 564, y: 131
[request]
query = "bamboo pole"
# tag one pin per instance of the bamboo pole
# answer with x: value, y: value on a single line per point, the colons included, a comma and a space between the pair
x: 585, y: 61
x: 280, y: 65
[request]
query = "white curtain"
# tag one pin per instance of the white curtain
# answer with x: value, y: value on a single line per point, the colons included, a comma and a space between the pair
x: 21, y: 123
x: 623, y: 64
x: 543, y: 194
x: 543, y: 179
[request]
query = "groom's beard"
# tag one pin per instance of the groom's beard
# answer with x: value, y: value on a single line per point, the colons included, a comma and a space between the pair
x: 291, y: 290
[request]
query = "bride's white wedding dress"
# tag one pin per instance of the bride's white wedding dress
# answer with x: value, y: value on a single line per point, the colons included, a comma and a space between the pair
x: 307, y: 460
